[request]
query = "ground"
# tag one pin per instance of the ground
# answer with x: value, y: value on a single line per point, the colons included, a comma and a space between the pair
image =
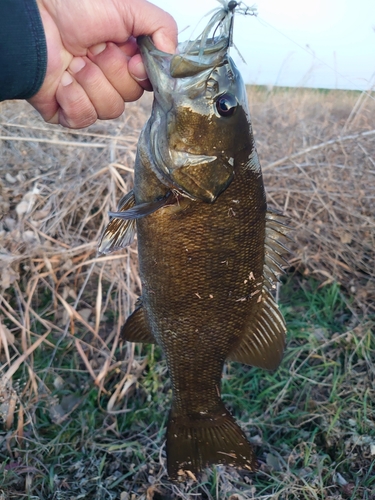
x: 83, y: 413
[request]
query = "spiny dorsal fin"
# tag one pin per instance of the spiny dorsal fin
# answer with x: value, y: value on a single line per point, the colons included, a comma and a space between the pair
x: 136, y: 328
x: 119, y: 233
x: 264, y: 336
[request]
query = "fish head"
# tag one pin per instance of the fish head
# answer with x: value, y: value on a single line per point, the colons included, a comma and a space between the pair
x: 200, y: 119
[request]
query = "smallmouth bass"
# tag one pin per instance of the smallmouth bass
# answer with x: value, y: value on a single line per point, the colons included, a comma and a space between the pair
x: 209, y: 250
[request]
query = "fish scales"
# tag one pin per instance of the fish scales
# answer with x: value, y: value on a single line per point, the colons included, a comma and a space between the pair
x: 199, y: 275
x: 195, y: 266
x: 209, y: 250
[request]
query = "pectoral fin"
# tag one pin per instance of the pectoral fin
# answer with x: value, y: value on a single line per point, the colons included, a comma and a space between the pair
x: 143, y: 209
x: 136, y: 328
x: 119, y: 233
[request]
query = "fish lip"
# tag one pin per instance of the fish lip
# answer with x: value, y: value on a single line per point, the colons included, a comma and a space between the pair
x: 190, y: 59
x: 192, y: 56
x: 156, y: 62
x: 145, y: 43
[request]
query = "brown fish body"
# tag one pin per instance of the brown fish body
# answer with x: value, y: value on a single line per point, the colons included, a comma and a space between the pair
x: 208, y: 251
x: 201, y: 268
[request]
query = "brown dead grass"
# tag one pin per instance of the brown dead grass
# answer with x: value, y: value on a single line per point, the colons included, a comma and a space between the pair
x: 318, y: 156
x: 56, y: 187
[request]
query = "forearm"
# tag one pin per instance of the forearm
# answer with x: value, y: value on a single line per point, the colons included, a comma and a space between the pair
x: 23, y: 51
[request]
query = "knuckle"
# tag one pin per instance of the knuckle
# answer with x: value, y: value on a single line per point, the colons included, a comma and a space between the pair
x: 79, y: 116
x: 132, y: 92
x: 113, y: 109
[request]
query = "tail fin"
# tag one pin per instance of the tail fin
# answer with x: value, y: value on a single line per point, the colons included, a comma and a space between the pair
x: 195, y: 442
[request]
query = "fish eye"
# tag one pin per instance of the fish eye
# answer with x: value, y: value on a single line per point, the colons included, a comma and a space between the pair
x: 226, y: 105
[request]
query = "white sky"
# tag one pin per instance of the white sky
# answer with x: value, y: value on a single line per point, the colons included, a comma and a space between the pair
x: 312, y: 43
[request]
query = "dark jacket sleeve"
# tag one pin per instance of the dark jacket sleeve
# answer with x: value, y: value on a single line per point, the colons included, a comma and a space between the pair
x: 23, y: 49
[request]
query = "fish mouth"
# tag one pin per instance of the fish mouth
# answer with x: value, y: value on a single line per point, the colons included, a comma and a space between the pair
x: 192, y: 57
x: 195, y: 56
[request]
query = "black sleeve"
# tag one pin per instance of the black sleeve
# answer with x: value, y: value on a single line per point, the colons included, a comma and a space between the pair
x: 23, y: 49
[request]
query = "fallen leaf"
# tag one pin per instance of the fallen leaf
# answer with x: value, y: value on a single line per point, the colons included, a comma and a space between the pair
x: 22, y: 207
x: 85, y: 313
x: 29, y: 236
x: 346, y: 238
x: 341, y: 480
x: 58, y: 382
x: 8, y: 334
x: 8, y: 277
x: 10, y: 178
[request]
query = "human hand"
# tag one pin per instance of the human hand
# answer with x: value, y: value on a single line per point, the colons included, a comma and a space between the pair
x: 93, y: 62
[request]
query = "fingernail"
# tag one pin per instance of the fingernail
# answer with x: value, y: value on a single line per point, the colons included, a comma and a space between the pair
x: 77, y: 64
x: 66, y: 79
x: 54, y: 119
x: 98, y: 49
x: 140, y: 71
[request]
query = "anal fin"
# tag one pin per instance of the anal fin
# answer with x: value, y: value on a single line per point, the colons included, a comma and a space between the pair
x: 136, y: 328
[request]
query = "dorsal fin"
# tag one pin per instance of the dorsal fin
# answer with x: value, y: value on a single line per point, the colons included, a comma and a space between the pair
x: 263, y: 340
x: 119, y: 233
x: 136, y: 328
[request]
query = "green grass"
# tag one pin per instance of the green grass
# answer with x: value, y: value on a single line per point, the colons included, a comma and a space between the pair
x: 312, y: 422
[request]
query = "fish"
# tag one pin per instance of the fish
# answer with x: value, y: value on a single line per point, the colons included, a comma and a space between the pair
x: 210, y: 250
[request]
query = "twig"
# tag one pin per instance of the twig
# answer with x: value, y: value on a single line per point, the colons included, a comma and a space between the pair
x: 60, y: 143
x: 316, y: 147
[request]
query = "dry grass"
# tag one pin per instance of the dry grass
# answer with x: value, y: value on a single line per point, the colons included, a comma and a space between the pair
x: 56, y: 189
x: 318, y: 156
x: 58, y: 297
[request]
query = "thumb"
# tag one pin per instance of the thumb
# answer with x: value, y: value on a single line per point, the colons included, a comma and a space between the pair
x: 148, y: 19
